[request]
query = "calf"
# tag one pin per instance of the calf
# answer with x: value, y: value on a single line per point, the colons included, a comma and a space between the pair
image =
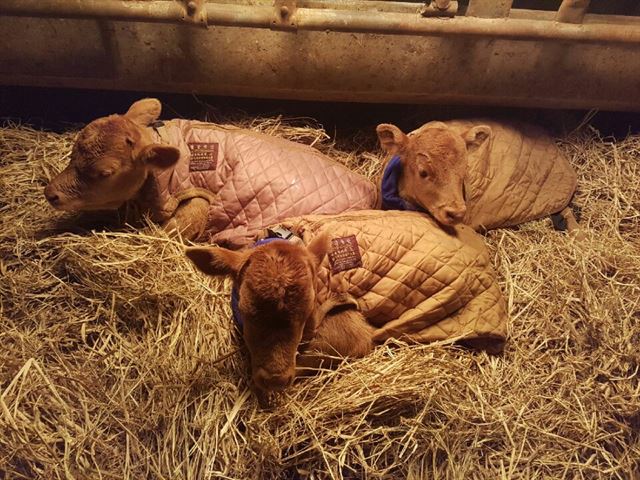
x: 486, y: 174
x: 383, y: 275
x: 278, y: 303
x: 210, y: 182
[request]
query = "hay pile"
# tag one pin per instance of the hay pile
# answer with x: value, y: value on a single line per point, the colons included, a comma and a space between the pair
x: 117, y: 359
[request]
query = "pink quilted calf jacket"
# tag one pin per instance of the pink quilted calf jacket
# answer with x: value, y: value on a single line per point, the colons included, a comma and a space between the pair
x: 251, y: 180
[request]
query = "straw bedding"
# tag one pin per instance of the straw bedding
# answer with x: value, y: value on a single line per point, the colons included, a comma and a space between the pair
x: 118, y: 360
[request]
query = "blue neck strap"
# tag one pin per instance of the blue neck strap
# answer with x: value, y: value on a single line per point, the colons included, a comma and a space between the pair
x: 235, y: 294
x: 391, y: 199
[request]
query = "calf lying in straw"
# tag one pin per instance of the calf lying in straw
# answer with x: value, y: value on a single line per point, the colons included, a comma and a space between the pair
x: 383, y: 275
x: 210, y: 182
x: 483, y: 173
x: 280, y: 308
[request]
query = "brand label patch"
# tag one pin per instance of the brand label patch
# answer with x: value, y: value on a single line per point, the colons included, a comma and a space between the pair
x: 204, y: 156
x: 344, y: 254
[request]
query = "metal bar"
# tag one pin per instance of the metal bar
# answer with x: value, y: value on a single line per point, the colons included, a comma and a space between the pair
x: 572, y: 11
x: 324, y: 19
x: 144, y: 11
x: 589, y: 18
x: 370, y: 5
x: 402, y: 24
x: 489, y: 8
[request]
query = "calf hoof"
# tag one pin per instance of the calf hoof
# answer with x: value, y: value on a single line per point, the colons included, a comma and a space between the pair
x: 565, y: 220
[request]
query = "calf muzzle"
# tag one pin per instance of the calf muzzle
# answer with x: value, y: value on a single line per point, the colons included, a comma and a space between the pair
x: 454, y: 215
x: 52, y: 196
x: 267, y: 380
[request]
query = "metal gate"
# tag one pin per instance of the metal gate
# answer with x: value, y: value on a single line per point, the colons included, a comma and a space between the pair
x: 442, y: 51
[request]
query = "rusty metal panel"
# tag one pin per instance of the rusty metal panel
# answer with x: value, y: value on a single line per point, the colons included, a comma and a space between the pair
x: 436, y: 67
x: 320, y: 65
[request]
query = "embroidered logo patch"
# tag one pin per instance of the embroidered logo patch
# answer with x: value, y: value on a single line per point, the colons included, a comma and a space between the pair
x: 204, y: 156
x: 344, y: 254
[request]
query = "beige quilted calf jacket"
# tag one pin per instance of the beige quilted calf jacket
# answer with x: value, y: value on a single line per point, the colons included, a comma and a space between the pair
x: 250, y: 179
x: 518, y: 175
x: 409, y: 277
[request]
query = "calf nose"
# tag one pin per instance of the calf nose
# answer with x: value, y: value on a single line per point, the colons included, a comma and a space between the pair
x: 454, y: 215
x: 51, y: 196
x: 272, y: 381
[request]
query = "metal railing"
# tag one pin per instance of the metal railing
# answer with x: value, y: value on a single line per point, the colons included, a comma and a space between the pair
x: 484, y: 18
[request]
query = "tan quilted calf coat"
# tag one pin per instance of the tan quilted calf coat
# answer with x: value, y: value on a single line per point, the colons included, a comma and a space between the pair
x: 251, y: 180
x: 413, y: 279
x: 518, y: 175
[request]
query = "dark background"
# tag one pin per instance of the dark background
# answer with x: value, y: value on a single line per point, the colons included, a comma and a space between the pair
x: 61, y: 109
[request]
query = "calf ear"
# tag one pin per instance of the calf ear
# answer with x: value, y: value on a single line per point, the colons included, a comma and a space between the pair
x: 144, y: 112
x: 161, y: 156
x: 216, y: 260
x: 320, y: 246
x: 475, y: 137
x: 392, y: 139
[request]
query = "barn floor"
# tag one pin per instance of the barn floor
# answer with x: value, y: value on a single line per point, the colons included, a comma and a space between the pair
x: 119, y: 360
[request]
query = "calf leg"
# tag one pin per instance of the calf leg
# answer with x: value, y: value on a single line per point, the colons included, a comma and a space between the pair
x: 189, y: 219
x: 343, y: 333
x: 566, y: 220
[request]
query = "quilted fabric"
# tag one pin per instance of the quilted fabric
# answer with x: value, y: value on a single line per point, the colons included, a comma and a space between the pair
x: 257, y: 180
x: 415, y: 280
x: 517, y: 176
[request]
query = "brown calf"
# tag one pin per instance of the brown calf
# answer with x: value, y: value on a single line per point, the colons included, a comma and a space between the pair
x: 110, y: 163
x: 284, y: 326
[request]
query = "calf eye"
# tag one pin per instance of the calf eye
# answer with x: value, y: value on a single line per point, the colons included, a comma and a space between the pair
x: 105, y: 173
x: 424, y: 173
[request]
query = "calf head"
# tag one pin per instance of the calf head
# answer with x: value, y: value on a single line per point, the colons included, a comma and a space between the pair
x: 277, y: 300
x: 110, y: 161
x: 434, y: 162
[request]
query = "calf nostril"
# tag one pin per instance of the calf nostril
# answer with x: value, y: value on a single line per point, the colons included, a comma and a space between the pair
x: 52, y: 198
x: 454, y: 215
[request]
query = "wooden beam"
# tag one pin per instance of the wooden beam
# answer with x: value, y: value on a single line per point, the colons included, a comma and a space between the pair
x: 489, y: 8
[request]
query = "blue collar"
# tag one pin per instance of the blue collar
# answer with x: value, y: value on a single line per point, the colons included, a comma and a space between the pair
x: 391, y: 199
x: 235, y: 295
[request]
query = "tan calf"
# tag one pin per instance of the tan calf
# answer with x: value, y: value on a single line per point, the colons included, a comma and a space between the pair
x: 284, y: 326
x: 434, y: 162
x: 485, y: 173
